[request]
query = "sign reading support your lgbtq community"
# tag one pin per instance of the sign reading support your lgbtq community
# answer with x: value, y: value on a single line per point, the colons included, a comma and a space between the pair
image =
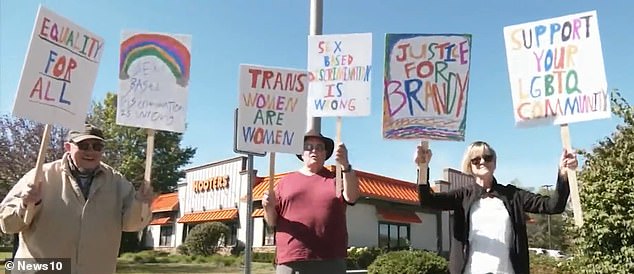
x: 425, y: 86
x: 153, y: 79
x: 59, y: 72
x: 271, y: 109
x: 556, y: 71
x: 339, y: 69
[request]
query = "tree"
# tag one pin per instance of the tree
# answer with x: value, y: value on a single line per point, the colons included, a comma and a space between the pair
x: 537, y: 229
x: 19, y: 146
x: 125, y: 151
x: 606, y: 240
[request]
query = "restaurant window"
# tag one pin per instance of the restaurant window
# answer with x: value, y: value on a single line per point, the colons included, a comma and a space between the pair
x: 394, y: 236
x: 269, y: 235
x: 231, y: 238
x: 186, y: 229
x: 166, y: 234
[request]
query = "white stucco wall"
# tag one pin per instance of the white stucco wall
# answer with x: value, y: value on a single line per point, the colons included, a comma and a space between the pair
x: 363, y: 227
x: 153, y: 235
x: 258, y: 231
x: 423, y: 235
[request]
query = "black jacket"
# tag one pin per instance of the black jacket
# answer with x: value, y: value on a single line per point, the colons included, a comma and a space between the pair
x: 517, y: 201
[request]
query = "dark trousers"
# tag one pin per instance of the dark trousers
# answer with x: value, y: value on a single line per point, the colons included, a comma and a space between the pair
x: 337, y: 266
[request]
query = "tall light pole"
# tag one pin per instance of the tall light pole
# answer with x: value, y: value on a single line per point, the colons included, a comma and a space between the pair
x: 315, y: 28
x: 550, y: 245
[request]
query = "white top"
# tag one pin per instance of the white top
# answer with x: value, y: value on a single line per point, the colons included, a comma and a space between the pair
x: 490, y: 238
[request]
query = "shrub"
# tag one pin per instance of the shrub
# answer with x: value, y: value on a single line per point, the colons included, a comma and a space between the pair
x: 146, y: 256
x: 203, y: 239
x: 544, y: 264
x: 362, y: 257
x: 408, y: 262
x: 263, y: 257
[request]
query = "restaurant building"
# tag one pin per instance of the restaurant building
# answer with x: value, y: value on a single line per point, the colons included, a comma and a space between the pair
x: 386, y: 215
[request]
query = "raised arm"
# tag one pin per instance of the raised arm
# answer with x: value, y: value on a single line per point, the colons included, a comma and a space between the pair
x: 14, y: 206
x: 556, y: 203
x: 442, y: 200
x: 350, y: 181
x: 136, y: 206
x: 269, y: 203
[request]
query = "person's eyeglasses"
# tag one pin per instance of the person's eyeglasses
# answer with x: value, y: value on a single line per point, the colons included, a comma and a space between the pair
x: 487, y: 158
x: 98, y: 146
x: 317, y: 147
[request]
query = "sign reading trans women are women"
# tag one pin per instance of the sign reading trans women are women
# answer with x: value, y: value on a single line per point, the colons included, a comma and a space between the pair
x: 556, y: 71
x: 271, y: 109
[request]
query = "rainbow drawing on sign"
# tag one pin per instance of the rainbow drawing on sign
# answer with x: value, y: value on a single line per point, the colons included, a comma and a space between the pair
x: 169, y: 50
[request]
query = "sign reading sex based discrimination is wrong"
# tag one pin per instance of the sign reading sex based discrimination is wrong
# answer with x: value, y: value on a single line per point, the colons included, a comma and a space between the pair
x: 153, y: 80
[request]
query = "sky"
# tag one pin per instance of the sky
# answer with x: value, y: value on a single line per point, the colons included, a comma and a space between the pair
x: 226, y: 34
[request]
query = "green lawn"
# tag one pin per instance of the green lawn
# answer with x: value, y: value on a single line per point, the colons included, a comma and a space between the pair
x: 5, y: 255
x: 130, y: 267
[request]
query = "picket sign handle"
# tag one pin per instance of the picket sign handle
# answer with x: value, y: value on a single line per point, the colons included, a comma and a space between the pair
x: 149, y: 152
x: 338, y: 178
x: 271, y: 171
x: 147, y: 177
x: 572, y: 179
x: 422, y: 167
x: 41, y: 157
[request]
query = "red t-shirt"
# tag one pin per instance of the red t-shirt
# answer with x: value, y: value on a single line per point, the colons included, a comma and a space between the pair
x: 311, y: 222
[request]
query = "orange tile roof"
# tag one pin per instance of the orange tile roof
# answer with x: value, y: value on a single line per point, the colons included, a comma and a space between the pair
x: 165, y: 202
x: 387, y: 189
x: 370, y: 185
x: 161, y: 221
x: 400, y: 216
x: 209, y: 216
x: 262, y: 183
x: 258, y: 212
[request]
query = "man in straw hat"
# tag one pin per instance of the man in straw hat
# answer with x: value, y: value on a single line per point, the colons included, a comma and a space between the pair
x: 308, y: 211
x: 81, y: 205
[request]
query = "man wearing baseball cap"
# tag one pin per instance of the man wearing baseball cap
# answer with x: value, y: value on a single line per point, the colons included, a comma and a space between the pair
x: 80, y: 207
x: 308, y: 210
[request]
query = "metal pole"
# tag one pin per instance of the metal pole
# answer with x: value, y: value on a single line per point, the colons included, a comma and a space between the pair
x: 249, y: 243
x: 550, y: 245
x: 316, y: 16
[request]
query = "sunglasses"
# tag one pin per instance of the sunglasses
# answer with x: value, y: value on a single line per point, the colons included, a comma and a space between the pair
x: 97, y: 146
x: 317, y: 147
x: 487, y: 158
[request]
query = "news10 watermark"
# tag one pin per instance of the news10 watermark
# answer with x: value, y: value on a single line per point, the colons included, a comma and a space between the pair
x: 38, y: 265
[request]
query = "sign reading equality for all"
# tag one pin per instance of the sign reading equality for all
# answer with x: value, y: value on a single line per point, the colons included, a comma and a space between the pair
x: 556, y: 71
x: 271, y: 109
x: 339, y: 69
x: 59, y: 72
x: 425, y: 86
x: 153, y: 79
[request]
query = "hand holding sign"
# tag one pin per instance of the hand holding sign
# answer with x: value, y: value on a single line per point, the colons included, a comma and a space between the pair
x: 145, y: 194
x: 422, y: 158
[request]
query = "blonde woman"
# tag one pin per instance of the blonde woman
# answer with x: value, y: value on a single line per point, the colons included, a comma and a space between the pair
x: 489, y: 227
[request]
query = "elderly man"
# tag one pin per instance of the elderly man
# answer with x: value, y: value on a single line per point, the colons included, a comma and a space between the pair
x: 80, y: 207
x: 309, y: 211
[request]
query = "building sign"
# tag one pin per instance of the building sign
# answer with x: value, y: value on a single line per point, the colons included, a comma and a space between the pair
x: 214, y: 183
